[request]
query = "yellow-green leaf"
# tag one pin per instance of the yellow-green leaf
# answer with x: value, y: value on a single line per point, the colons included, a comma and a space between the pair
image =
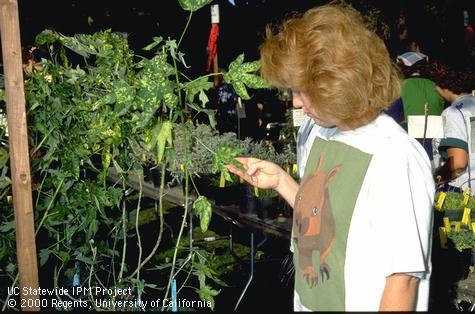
x: 193, y: 5
x: 164, y: 137
x: 203, y: 209
x: 241, y: 90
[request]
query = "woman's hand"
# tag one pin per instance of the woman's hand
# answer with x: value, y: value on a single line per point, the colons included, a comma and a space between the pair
x: 259, y: 173
x: 267, y: 175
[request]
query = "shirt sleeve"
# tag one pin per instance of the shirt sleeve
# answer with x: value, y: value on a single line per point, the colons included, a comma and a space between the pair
x: 401, y: 214
x: 455, y: 131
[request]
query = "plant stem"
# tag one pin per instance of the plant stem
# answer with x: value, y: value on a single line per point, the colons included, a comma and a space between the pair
x: 160, y: 211
x: 39, y: 191
x: 182, y: 227
x: 124, y: 228
x: 186, y: 27
x: 94, y: 252
x: 113, y: 258
x: 187, y: 275
x: 9, y: 295
x: 199, y: 141
x: 49, y: 207
x: 137, y: 230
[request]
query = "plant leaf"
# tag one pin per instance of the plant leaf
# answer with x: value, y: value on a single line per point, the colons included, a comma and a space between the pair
x: 225, y: 155
x: 164, y: 137
x: 242, y: 74
x: 44, y: 256
x: 3, y: 157
x: 204, y: 211
x: 193, y: 5
x: 46, y: 37
x: 156, y: 41
x: 197, y: 86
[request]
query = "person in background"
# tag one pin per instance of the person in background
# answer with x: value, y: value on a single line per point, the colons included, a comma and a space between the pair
x: 356, y: 246
x: 418, y: 89
x: 417, y: 92
x: 457, y: 148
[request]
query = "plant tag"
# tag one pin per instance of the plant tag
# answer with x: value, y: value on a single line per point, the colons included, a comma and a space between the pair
x: 441, y: 200
x: 466, y: 196
x: 215, y: 13
x: 256, y: 192
x: 222, y: 180
x: 294, y: 168
x: 457, y: 226
x: 466, y: 216
x: 443, y: 237
x: 240, y: 109
x: 416, y: 125
x: 446, y: 224
x: 297, y: 117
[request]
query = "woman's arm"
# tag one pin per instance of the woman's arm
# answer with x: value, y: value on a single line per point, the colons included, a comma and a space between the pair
x: 267, y: 175
x: 400, y: 293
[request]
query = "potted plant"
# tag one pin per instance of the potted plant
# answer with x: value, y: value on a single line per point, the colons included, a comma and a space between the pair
x: 455, y: 219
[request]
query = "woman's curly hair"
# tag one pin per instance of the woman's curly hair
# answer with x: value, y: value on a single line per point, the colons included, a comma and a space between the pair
x: 329, y: 54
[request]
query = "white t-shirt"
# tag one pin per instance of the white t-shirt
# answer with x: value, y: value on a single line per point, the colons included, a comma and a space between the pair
x: 305, y: 137
x: 459, y: 126
x: 373, y: 190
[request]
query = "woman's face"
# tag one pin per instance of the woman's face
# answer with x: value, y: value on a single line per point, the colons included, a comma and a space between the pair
x: 301, y: 100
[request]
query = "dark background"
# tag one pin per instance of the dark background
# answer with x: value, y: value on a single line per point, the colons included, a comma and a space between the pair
x: 437, y: 25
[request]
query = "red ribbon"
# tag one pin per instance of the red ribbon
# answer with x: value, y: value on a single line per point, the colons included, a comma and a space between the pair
x: 212, y: 44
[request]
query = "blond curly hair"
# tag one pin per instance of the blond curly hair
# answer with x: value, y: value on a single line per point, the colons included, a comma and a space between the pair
x: 329, y: 54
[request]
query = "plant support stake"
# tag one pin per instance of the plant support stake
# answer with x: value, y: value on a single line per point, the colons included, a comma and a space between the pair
x: 19, y: 155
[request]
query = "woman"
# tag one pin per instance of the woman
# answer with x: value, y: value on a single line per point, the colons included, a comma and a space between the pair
x: 363, y: 212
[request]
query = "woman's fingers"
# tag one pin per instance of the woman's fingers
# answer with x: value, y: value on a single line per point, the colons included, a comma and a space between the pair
x: 235, y: 170
x: 240, y: 173
x: 252, y: 169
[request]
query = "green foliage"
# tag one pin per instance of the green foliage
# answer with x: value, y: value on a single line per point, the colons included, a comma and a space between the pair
x: 224, y: 156
x: 267, y: 193
x: 3, y: 157
x: 204, y: 211
x: 210, y: 259
x: 241, y: 75
x: 463, y: 239
x: 375, y: 21
x: 454, y: 201
x: 95, y: 105
x: 193, y: 5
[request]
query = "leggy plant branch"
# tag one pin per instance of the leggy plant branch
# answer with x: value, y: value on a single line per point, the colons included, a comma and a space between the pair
x: 94, y: 252
x: 185, y: 214
x: 137, y: 230
x: 184, y: 30
x: 124, y: 236
x: 160, y: 213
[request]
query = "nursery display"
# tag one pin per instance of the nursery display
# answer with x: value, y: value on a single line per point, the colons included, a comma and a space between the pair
x: 455, y: 219
x: 94, y: 105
